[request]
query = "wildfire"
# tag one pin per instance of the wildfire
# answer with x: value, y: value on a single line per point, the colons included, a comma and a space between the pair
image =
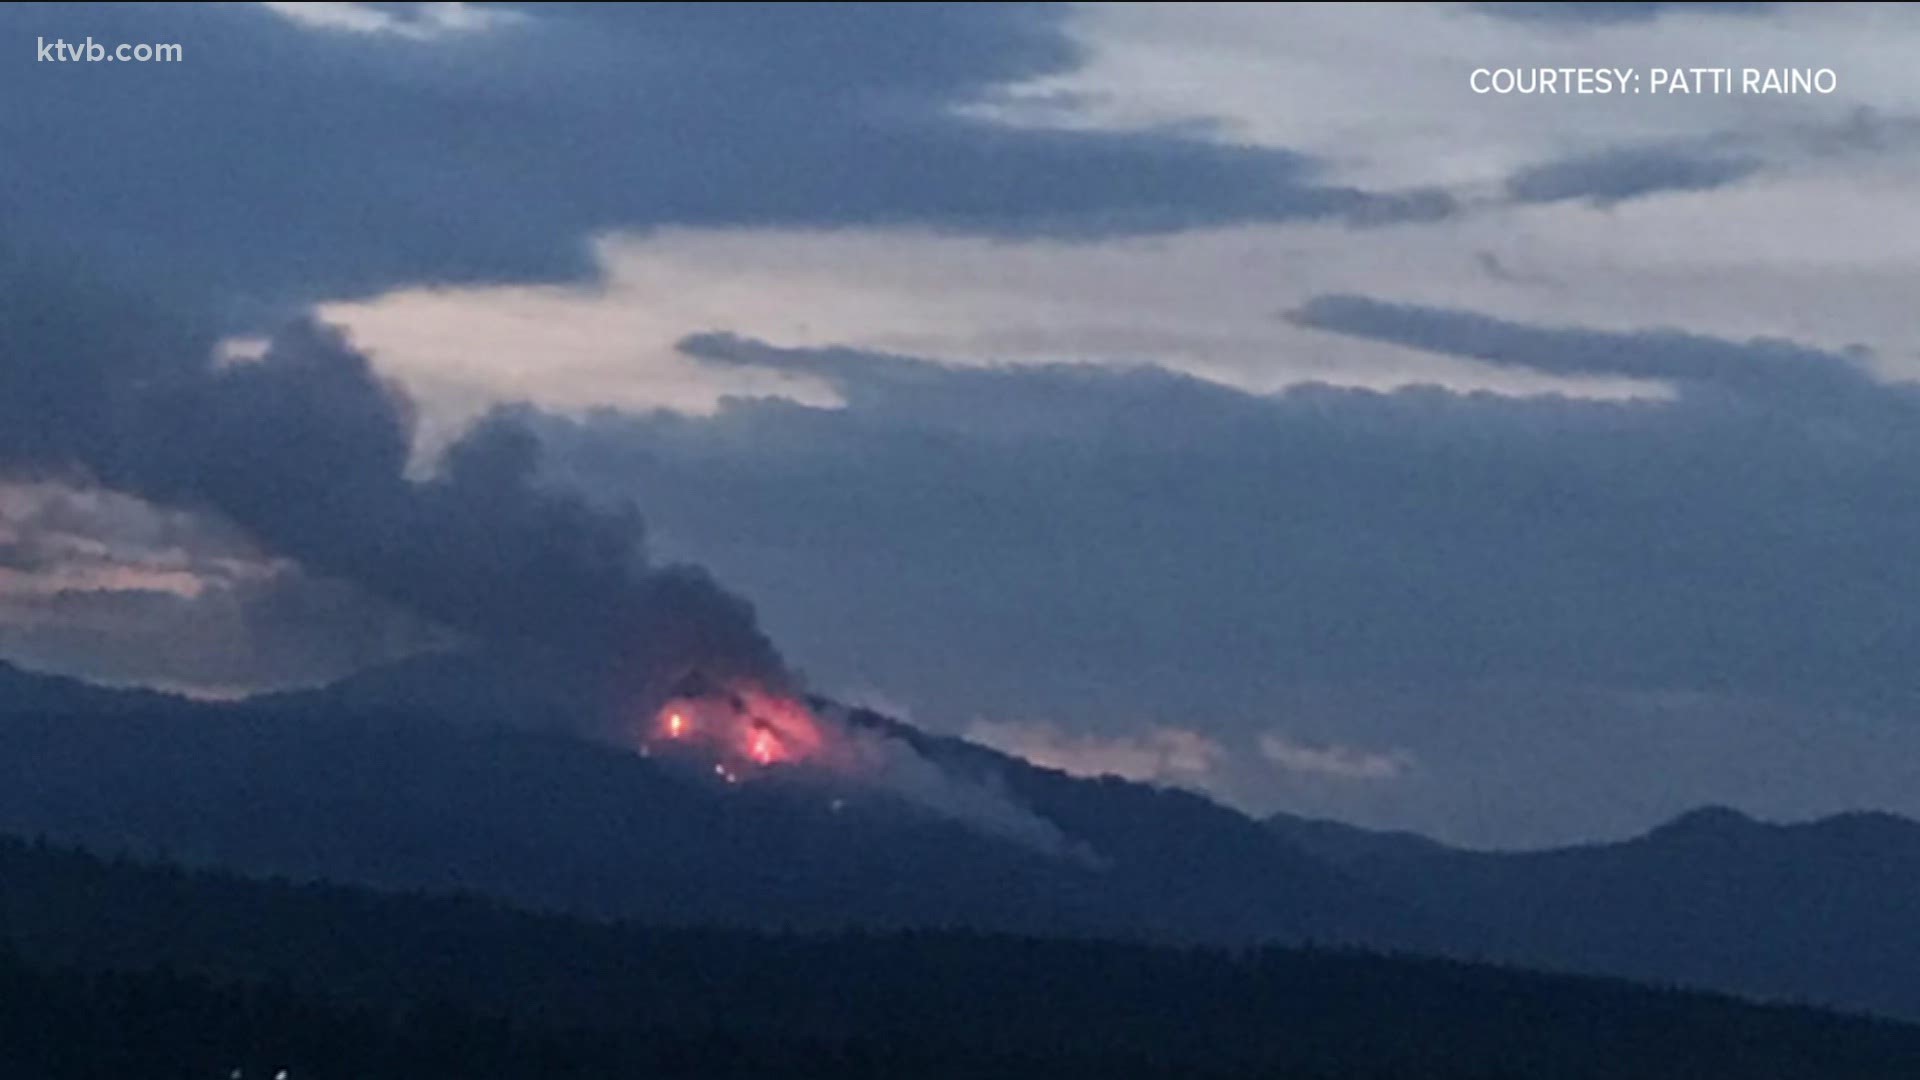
x: 739, y: 728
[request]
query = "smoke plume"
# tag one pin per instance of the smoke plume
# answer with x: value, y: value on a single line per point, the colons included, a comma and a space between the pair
x: 307, y: 449
x: 978, y: 799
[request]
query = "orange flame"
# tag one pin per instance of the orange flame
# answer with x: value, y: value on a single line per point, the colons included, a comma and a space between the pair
x: 740, y: 728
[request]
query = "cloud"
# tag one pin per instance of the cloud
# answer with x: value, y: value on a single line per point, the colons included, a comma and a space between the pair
x: 1783, y: 373
x: 1615, y: 176
x: 1089, y: 542
x: 1333, y: 759
x: 1165, y: 755
x: 1379, y: 94
x: 959, y: 299
x: 1608, y: 14
x: 1496, y: 269
x: 372, y: 149
x: 107, y: 586
x: 420, y: 22
x: 1483, y: 583
x: 221, y: 638
x: 55, y: 538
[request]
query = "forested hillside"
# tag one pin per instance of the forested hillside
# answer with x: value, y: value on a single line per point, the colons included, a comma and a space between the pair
x: 118, y: 969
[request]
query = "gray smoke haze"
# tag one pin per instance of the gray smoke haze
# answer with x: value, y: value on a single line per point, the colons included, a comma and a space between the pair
x: 980, y: 801
x: 306, y: 449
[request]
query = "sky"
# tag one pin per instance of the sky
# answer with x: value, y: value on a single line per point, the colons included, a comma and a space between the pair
x: 1226, y: 397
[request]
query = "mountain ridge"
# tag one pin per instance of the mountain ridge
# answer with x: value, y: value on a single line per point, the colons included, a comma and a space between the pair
x: 1817, y: 911
x: 386, y: 787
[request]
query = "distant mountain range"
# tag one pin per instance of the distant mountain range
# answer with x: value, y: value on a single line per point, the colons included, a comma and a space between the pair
x: 1827, y: 911
x: 450, y: 775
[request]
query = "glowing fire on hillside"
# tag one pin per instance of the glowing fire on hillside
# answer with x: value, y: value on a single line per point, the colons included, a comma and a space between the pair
x: 740, y: 728
x: 737, y: 730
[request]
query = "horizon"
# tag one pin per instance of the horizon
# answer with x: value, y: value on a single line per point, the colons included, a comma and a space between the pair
x: 1714, y: 811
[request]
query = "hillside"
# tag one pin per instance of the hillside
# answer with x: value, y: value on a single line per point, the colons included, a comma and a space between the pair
x: 123, y: 969
x: 420, y: 779
x: 1821, y: 911
x: 405, y: 788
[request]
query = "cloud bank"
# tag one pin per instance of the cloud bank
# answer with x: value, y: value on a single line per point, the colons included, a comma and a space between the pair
x: 373, y: 150
x: 1120, y: 548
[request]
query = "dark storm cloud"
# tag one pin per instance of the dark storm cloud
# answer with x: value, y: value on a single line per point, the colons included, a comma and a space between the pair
x: 284, y: 162
x: 306, y: 451
x: 1618, y: 175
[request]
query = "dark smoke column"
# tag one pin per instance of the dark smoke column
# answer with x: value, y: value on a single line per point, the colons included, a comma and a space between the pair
x: 307, y: 450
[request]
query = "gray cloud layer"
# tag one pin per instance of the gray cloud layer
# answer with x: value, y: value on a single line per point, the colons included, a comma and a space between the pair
x: 1789, y: 375
x: 122, y: 590
x: 1614, y: 176
x: 1611, y: 13
x: 1748, y: 535
x: 283, y: 162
